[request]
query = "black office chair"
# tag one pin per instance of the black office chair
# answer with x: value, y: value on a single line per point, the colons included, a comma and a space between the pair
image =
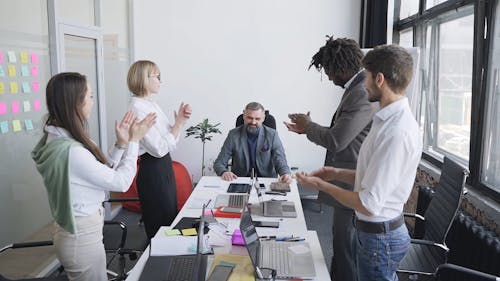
x: 426, y: 254
x: 123, y: 237
x: 269, y: 120
x: 452, y: 272
x: 58, y: 276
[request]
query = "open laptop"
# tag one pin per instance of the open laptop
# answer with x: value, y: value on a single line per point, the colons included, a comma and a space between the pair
x: 179, y: 268
x: 231, y: 200
x: 276, y: 208
x: 272, y: 254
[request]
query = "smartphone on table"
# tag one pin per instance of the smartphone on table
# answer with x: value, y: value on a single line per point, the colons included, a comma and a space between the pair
x: 274, y: 224
x: 220, y: 273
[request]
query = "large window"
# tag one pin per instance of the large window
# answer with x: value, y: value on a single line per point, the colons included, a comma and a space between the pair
x: 460, y: 109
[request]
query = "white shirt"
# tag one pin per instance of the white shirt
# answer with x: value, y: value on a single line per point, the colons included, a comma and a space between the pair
x: 89, y: 178
x: 387, y: 162
x: 159, y: 140
x: 348, y: 83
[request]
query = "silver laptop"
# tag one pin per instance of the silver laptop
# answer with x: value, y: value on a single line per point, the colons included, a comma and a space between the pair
x: 275, y: 256
x: 231, y: 200
x: 276, y: 208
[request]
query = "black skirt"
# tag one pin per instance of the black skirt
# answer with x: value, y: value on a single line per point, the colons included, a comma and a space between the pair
x: 157, y: 192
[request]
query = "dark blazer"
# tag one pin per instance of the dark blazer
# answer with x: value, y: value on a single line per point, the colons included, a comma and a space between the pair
x: 270, y: 156
x: 350, y: 125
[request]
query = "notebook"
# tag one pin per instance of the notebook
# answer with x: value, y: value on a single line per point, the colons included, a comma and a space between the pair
x: 179, y: 268
x: 290, y: 260
x: 276, y: 208
x: 231, y: 200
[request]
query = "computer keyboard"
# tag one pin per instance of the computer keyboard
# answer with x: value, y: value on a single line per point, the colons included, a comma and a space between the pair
x: 275, y: 255
x: 237, y: 200
x: 181, y: 269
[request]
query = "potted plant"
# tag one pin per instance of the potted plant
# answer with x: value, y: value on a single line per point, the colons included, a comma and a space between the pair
x: 203, y: 131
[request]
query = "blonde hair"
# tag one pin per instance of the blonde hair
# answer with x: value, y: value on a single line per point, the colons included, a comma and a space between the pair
x: 138, y: 76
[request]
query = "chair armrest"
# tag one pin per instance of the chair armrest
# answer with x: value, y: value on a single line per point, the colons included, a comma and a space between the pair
x: 430, y: 243
x: 27, y: 245
x: 123, y: 227
x: 463, y: 272
x: 415, y: 216
x: 112, y: 200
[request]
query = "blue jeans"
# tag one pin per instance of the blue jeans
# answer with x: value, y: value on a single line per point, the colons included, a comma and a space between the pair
x: 379, y: 254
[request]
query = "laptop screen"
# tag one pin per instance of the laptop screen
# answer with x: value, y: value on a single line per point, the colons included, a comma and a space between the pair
x: 250, y: 236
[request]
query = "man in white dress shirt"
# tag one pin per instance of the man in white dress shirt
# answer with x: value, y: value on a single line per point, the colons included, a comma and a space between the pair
x: 385, y: 170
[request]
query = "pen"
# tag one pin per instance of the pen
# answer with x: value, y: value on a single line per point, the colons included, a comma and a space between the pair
x: 276, y: 193
x: 211, y: 186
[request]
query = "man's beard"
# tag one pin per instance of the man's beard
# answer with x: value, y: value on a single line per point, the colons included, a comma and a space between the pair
x: 374, y: 96
x: 252, y: 129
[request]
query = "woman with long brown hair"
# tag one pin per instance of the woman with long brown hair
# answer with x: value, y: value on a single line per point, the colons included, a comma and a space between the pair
x: 77, y: 173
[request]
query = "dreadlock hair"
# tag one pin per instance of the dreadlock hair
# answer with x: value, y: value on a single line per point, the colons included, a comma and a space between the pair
x: 65, y: 95
x: 341, y: 55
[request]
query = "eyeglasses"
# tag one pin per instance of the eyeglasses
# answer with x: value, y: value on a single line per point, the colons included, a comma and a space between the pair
x: 155, y: 75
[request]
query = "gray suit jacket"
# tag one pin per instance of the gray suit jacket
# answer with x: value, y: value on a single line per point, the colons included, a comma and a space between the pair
x: 270, y: 156
x: 348, y: 129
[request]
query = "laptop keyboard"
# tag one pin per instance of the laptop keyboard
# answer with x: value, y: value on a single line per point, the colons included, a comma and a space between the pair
x: 181, y: 269
x: 275, y: 255
x: 237, y: 200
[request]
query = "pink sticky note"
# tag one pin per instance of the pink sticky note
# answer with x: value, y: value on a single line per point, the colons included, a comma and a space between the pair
x: 36, y: 105
x: 14, y: 106
x: 3, y: 108
x: 35, y: 86
x: 34, y: 58
x: 1, y: 58
x: 34, y: 71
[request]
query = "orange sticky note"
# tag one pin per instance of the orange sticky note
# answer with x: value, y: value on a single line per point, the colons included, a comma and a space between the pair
x: 16, y: 125
x: 189, y: 231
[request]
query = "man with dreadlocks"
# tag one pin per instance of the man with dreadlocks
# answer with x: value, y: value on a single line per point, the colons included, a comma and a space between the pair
x: 341, y: 60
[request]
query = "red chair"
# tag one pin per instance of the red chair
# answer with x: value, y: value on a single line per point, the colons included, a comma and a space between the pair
x: 182, y: 181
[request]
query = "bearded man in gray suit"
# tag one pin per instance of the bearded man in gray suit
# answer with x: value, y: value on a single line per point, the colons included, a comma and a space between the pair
x: 341, y: 60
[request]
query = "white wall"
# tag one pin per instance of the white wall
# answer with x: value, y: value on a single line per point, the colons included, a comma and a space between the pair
x: 219, y: 55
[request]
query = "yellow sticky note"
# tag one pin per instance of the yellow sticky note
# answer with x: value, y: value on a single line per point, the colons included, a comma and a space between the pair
x: 2, y: 88
x: 189, y: 231
x: 12, y: 70
x: 16, y: 125
x: 24, y: 57
x: 14, y: 88
x: 172, y: 232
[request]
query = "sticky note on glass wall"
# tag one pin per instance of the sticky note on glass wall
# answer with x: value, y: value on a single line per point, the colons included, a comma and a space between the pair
x: 25, y: 71
x: 14, y: 107
x: 3, y: 108
x: 1, y: 57
x: 2, y: 88
x: 28, y: 124
x: 12, y: 56
x: 2, y: 72
x: 34, y: 57
x: 34, y: 71
x: 4, y: 127
x: 35, y: 86
x: 12, y: 70
x: 26, y: 87
x: 36, y: 105
x: 26, y: 106
x: 16, y: 125
x: 24, y: 57
x: 14, y: 89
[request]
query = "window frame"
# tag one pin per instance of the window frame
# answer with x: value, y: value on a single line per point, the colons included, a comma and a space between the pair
x: 483, y: 11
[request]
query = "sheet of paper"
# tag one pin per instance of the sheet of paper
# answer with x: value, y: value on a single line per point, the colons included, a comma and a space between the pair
x: 162, y: 245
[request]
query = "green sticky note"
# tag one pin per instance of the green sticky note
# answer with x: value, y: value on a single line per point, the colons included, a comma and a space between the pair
x: 28, y: 124
x: 172, y: 232
x: 189, y: 231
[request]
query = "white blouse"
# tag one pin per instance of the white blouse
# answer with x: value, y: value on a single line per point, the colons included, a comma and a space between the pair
x: 159, y: 140
x: 89, y: 178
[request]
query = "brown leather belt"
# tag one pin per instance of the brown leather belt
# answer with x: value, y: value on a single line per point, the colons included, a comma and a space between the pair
x: 378, y: 227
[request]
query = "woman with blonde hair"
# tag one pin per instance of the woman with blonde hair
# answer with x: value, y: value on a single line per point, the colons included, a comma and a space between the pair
x: 155, y: 178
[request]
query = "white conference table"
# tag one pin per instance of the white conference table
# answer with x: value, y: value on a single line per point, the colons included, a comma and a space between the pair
x: 209, y: 187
